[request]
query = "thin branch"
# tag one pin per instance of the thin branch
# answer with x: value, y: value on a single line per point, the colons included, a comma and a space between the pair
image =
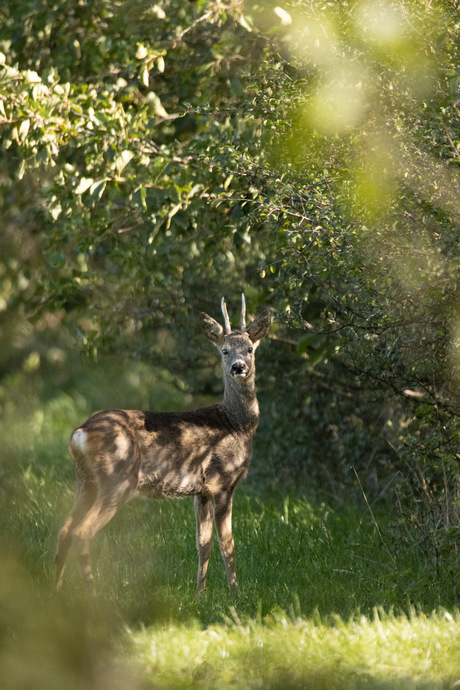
x: 392, y: 558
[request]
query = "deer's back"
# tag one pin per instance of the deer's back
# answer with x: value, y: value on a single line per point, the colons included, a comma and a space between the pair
x: 171, y: 453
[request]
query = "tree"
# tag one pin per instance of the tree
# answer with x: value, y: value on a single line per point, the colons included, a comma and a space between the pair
x: 156, y: 157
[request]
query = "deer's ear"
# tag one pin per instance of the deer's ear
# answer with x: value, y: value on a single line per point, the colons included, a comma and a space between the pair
x: 259, y: 328
x: 212, y: 330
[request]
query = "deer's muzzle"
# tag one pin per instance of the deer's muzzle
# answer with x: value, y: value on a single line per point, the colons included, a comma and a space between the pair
x: 239, y: 368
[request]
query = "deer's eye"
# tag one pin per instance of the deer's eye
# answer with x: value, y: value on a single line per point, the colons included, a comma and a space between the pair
x: 250, y: 350
x: 225, y: 352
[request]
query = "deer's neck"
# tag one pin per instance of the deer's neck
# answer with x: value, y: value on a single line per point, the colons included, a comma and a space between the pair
x: 240, y: 403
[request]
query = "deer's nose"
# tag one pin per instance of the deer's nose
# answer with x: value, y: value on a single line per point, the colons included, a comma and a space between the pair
x: 239, y: 368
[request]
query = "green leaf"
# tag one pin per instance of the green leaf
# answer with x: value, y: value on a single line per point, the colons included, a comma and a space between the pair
x: 122, y: 160
x: 97, y: 188
x: 141, y: 52
x: 84, y: 184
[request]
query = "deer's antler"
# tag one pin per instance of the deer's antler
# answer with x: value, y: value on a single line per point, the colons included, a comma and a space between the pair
x: 243, y: 312
x: 227, y: 325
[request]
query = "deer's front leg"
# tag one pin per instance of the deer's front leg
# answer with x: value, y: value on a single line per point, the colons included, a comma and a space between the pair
x: 204, y: 512
x: 223, y: 520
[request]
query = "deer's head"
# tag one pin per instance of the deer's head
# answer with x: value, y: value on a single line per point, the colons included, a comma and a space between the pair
x: 237, y: 347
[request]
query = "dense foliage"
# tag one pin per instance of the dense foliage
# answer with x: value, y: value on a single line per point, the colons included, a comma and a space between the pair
x: 157, y: 156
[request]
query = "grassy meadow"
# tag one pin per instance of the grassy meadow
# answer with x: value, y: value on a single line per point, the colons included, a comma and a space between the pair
x: 332, y: 593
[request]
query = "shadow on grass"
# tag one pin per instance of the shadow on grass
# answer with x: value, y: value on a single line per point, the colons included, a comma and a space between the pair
x: 291, y: 553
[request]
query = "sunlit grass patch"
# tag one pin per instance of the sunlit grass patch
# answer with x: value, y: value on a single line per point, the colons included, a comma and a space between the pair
x: 380, y: 652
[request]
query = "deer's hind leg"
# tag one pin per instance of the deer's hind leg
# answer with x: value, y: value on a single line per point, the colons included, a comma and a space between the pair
x: 85, y: 497
x: 108, y: 501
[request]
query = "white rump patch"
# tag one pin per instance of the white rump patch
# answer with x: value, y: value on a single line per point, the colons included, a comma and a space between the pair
x: 79, y: 438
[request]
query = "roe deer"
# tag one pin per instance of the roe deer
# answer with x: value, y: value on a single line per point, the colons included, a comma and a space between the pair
x: 201, y: 453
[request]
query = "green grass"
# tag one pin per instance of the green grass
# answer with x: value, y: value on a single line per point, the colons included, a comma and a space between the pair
x: 326, y: 599
x: 280, y: 652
